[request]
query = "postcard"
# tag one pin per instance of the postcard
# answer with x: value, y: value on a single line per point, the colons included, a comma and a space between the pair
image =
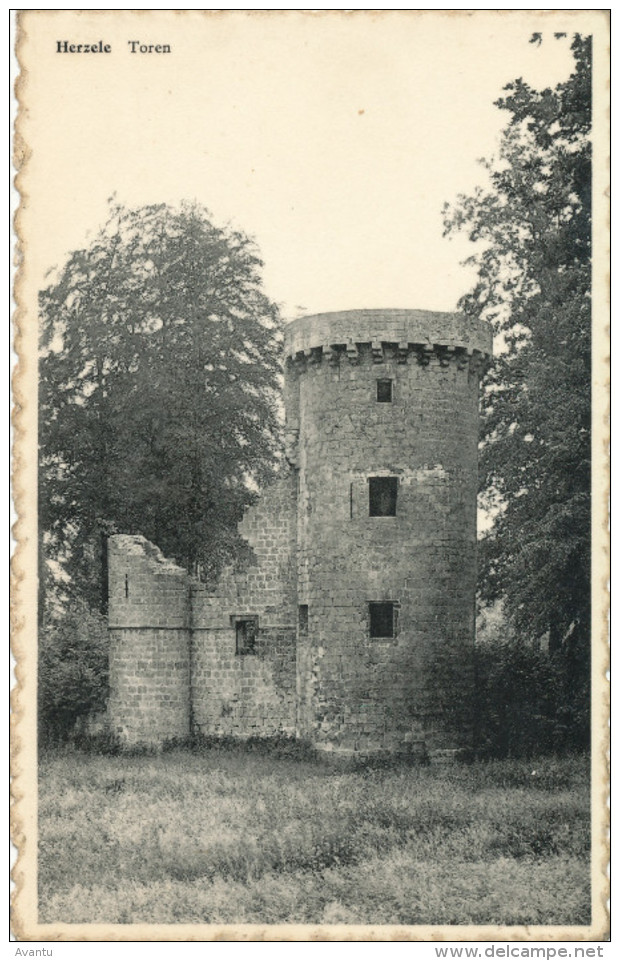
x: 310, y: 470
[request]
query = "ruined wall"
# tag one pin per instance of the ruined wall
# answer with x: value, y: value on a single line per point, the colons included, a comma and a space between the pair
x: 175, y: 666
x: 148, y: 620
x: 290, y: 644
x: 360, y: 693
x: 251, y: 694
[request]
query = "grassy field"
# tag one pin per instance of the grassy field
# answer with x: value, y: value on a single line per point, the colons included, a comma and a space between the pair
x: 234, y: 836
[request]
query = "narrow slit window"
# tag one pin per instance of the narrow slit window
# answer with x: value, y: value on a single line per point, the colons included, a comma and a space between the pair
x: 246, y: 635
x: 382, y: 496
x: 382, y: 616
x: 303, y: 620
x: 384, y: 391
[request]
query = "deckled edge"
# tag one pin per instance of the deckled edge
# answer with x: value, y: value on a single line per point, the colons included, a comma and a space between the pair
x: 23, y: 578
x: 19, y: 573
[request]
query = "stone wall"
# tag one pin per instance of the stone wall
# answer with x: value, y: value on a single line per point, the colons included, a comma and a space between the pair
x: 359, y: 693
x: 148, y: 620
x: 174, y: 663
x: 408, y: 328
x: 250, y: 694
x: 290, y: 644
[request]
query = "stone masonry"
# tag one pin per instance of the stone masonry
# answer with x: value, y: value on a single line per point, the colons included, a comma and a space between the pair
x: 363, y: 571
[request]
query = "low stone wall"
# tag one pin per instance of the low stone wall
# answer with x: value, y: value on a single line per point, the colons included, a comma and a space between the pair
x: 175, y: 662
x: 149, y: 621
x: 250, y: 694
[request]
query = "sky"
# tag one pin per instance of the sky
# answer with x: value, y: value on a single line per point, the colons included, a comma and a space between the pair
x: 332, y: 139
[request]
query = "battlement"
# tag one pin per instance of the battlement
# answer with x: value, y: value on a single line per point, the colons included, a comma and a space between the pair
x: 386, y: 334
x: 362, y: 577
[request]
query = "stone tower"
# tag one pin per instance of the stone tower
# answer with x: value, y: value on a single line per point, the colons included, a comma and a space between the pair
x: 382, y: 428
x: 353, y: 624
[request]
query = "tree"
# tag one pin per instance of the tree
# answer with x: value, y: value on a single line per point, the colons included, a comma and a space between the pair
x: 159, y: 379
x: 73, y: 671
x: 532, y: 228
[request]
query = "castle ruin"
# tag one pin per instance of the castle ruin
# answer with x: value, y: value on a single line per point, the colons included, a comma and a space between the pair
x: 364, y: 558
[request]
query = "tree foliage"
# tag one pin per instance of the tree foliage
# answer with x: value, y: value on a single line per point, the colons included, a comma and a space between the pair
x: 529, y: 701
x: 73, y: 671
x: 159, y: 378
x: 532, y: 230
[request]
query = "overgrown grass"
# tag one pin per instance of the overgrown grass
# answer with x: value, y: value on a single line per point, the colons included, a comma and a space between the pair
x: 239, y: 837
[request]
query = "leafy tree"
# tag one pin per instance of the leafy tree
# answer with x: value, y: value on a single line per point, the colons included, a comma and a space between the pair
x: 159, y: 378
x: 73, y: 671
x: 510, y: 697
x: 532, y: 228
x: 527, y: 701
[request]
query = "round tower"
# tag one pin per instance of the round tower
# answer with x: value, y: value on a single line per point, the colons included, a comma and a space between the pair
x: 382, y: 429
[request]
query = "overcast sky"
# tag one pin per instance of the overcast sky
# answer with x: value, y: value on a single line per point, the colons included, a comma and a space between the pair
x: 332, y: 139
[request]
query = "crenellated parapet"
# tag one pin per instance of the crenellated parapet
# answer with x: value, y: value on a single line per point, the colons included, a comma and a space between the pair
x: 335, y: 355
x: 404, y: 336
x: 357, y: 597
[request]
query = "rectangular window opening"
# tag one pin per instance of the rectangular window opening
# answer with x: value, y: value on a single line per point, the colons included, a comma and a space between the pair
x: 382, y: 616
x: 303, y: 620
x: 384, y: 391
x: 382, y: 496
x: 246, y: 634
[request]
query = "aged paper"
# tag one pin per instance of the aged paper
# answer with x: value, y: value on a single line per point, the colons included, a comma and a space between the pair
x: 333, y: 139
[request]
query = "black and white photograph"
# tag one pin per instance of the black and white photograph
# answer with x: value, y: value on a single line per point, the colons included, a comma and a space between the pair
x: 310, y: 475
